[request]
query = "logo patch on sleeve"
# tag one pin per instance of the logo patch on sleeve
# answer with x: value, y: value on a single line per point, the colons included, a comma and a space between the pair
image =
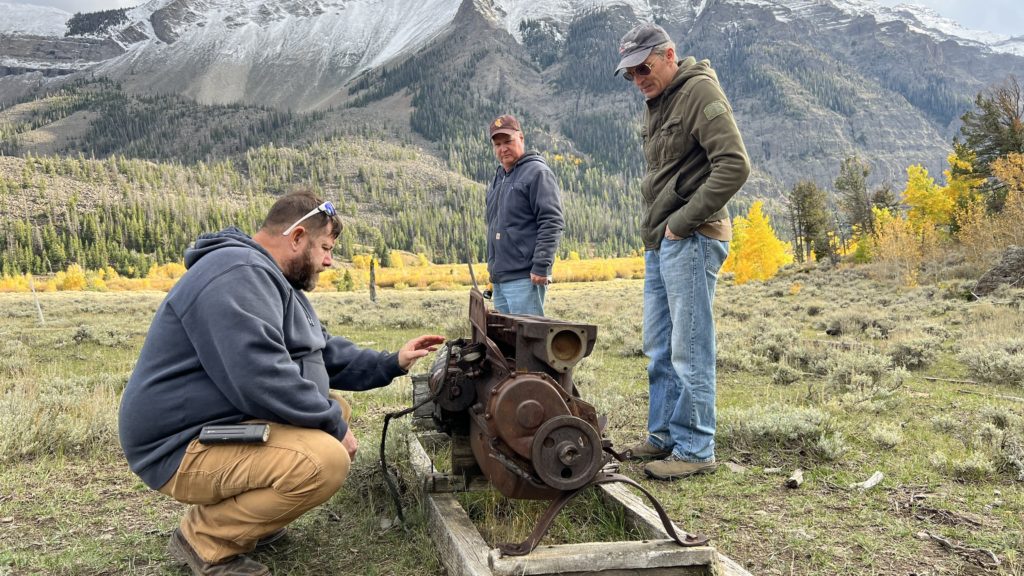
x: 715, y: 109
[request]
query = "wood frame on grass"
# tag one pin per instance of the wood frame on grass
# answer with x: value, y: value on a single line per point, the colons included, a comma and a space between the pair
x: 465, y: 553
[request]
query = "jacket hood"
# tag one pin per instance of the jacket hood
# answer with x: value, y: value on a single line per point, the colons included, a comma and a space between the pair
x: 229, y: 237
x: 688, y: 68
x: 530, y: 156
x: 526, y: 158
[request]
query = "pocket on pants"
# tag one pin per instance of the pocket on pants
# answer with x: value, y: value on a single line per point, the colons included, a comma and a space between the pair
x: 715, y: 253
x: 189, y: 484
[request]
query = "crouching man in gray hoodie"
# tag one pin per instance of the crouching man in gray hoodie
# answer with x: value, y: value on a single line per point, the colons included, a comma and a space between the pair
x: 236, y: 340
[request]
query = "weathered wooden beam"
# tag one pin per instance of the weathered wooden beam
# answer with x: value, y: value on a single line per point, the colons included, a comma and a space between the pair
x: 460, y: 546
x: 604, y: 558
x: 464, y: 552
x: 646, y: 520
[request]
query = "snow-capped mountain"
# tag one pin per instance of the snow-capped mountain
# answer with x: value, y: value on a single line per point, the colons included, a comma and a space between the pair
x: 32, y: 20
x: 221, y: 50
x: 811, y: 80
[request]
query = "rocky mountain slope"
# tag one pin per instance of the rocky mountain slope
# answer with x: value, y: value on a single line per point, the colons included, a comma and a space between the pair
x: 812, y: 81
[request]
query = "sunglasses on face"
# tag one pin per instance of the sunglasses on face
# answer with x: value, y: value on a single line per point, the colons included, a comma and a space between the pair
x: 641, y: 70
x: 326, y: 208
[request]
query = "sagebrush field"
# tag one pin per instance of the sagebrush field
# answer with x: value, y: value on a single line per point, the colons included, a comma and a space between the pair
x: 826, y: 371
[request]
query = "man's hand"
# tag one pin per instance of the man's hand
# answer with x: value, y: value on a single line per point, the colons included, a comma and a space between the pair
x: 540, y: 280
x: 670, y: 235
x: 417, y: 348
x: 351, y: 444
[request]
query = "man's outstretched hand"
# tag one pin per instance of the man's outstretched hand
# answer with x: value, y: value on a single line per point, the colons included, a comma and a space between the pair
x: 417, y: 348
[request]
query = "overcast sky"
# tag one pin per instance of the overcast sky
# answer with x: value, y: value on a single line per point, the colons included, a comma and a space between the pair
x: 1004, y: 16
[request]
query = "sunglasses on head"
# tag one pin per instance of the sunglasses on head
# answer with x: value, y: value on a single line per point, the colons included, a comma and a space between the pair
x: 326, y: 208
x: 641, y: 70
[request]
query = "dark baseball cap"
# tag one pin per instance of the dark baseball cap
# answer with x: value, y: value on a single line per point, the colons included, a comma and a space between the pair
x: 504, y: 124
x: 638, y: 43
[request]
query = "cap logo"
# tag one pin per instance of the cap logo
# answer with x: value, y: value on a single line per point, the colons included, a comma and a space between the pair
x: 626, y: 46
x: 497, y: 123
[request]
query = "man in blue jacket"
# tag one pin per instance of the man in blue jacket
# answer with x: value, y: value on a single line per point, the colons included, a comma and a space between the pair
x: 524, y: 222
x: 236, y: 340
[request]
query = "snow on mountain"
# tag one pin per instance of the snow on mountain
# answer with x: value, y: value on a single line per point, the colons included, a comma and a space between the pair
x: 509, y: 13
x: 232, y: 50
x: 928, y: 21
x: 918, y: 18
x: 32, y: 20
x: 367, y: 32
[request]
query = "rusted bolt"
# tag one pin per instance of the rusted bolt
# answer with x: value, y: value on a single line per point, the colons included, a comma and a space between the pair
x: 568, y: 453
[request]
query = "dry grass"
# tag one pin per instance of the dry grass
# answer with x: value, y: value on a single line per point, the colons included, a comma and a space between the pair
x: 790, y: 395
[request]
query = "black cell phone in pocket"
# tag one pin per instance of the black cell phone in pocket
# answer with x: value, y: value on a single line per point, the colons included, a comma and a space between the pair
x: 234, y: 434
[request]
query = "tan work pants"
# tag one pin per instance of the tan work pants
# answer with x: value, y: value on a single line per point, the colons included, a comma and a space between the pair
x: 243, y: 492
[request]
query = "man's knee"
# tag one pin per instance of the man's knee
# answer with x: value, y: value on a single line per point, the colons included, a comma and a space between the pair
x: 334, y: 463
x: 319, y: 466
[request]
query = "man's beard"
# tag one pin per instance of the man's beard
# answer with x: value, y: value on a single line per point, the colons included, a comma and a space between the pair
x: 302, y: 273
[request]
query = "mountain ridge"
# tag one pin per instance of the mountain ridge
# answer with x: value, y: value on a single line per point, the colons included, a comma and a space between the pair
x: 811, y: 81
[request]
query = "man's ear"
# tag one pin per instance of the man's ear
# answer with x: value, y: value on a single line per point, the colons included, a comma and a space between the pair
x: 670, y: 54
x: 296, y: 237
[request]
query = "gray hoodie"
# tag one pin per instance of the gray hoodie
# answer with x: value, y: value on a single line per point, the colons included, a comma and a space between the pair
x: 524, y: 220
x: 235, y: 341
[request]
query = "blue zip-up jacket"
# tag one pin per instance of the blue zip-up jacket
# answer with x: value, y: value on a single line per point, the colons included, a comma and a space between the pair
x: 524, y: 220
x: 235, y: 341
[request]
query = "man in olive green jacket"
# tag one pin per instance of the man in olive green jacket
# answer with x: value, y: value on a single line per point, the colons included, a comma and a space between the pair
x: 696, y: 162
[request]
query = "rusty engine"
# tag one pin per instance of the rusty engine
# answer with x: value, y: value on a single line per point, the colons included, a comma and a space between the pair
x: 508, y: 391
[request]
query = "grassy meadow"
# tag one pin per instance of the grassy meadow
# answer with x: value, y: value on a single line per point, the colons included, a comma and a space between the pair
x: 826, y: 371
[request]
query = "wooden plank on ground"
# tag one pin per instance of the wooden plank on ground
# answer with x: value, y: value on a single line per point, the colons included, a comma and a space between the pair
x: 464, y: 552
x: 605, y: 558
x: 646, y: 520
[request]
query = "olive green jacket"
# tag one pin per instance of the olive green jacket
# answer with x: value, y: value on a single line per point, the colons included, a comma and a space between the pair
x: 695, y: 156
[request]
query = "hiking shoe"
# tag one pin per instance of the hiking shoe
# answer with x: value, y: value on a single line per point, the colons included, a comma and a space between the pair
x: 272, y: 537
x: 645, y: 451
x: 240, y: 565
x: 674, y: 467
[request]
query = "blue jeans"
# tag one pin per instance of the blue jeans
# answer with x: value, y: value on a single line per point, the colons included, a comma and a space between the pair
x: 520, y: 296
x: 679, y: 341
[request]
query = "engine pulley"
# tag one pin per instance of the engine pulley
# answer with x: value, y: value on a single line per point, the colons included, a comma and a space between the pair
x: 566, y: 452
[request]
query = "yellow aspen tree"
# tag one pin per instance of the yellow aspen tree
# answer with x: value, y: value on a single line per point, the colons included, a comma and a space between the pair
x: 756, y: 252
x: 396, y: 260
x: 72, y: 279
x: 361, y: 261
x: 897, y: 253
x: 740, y: 225
x: 962, y: 183
x: 1009, y: 170
x: 929, y: 204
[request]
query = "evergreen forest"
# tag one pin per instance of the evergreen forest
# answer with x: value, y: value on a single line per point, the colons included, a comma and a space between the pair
x: 150, y: 173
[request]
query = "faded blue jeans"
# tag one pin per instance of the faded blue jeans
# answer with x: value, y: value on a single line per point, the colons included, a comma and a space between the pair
x: 520, y: 296
x: 679, y: 341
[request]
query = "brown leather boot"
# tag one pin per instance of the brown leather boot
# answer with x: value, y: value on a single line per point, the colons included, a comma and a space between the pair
x: 644, y: 450
x: 672, y: 468
x: 240, y: 565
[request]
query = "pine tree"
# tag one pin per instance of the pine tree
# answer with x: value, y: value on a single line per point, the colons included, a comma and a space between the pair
x: 852, y: 192
x: 812, y: 223
x: 994, y: 129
